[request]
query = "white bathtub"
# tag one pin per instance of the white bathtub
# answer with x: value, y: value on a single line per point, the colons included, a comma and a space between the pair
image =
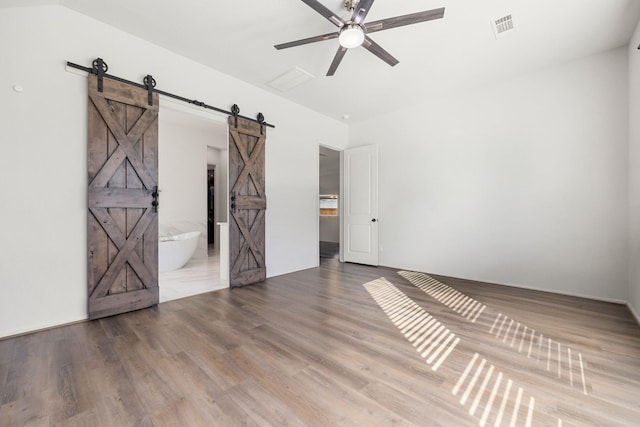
x: 174, y: 251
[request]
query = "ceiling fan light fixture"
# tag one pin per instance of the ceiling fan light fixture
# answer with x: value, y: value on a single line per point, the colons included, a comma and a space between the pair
x: 351, y: 36
x: 352, y: 32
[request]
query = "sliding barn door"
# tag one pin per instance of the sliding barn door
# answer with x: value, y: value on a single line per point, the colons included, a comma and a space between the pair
x: 123, y: 178
x: 247, y: 203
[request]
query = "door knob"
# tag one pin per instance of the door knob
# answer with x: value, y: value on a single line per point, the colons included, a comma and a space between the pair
x: 373, y: 220
x: 233, y: 201
x: 155, y: 194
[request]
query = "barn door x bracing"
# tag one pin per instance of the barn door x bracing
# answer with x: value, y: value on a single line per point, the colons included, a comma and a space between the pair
x: 123, y: 178
x: 248, y: 203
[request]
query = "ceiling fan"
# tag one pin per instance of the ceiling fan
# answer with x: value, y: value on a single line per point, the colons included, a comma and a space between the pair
x: 354, y: 31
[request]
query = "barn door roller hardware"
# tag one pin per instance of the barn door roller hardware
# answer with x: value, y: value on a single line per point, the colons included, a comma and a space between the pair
x: 261, y: 121
x: 235, y: 110
x: 100, y: 68
x: 150, y: 83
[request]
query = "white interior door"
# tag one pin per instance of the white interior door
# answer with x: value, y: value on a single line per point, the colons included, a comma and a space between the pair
x: 360, y: 205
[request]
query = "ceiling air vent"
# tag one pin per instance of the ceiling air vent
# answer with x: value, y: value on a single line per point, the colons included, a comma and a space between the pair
x: 290, y: 79
x: 502, y: 25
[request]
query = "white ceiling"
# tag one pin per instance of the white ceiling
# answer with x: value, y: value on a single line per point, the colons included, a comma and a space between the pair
x: 457, y: 52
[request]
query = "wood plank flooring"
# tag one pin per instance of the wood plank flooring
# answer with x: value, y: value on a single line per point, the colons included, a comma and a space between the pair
x: 342, y: 344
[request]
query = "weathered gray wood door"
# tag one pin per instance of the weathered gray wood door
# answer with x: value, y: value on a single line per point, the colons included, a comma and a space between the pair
x: 247, y: 203
x: 123, y: 175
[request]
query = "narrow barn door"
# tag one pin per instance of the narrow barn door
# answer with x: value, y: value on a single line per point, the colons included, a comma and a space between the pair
x: 247, y: 202
x: 123, y: 178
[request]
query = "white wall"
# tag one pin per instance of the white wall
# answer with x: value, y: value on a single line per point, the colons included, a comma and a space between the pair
x: 43, y: 157
x: 522, y: 183
x: 634, y: 173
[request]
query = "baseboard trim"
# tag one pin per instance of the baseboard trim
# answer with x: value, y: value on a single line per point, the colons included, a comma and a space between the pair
x: 570, y: 294
x: 634, y: 313
x: 43, y: 329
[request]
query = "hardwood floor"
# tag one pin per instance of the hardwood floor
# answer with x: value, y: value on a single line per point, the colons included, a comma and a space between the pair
x: 344, y: 345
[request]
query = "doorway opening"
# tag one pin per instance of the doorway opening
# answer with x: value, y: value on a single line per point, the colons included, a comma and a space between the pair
x: 211, y: 200
x: 217, y: 177
x: 191, y: 143
x: 329, y: 202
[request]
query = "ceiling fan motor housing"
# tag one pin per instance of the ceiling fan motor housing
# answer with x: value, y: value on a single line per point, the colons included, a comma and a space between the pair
x: 350, y: 5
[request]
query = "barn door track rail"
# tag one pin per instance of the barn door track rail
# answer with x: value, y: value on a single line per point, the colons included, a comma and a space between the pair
x: 99, y: 68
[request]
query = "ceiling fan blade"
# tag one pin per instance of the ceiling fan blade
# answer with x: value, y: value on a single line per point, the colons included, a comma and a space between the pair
x: 307, y: 41
x: 336, y: 60
x: 361, y: 11
x: 378, y: 51
x: 400, y: 21
x: 322, y: 10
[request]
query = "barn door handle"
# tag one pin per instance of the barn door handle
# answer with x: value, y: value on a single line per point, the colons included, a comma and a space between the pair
x: 233, y: 201
x: 156, y: 196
